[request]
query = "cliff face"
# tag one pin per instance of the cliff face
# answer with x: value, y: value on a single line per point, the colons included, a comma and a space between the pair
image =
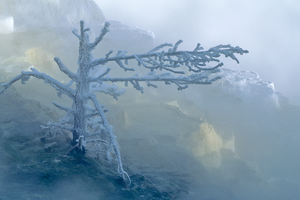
x: 40, y: 14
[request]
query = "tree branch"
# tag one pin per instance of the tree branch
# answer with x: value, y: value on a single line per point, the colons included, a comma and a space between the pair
x: 64, y: 69
x: 100, y: 37
x: 25, y: 76
x: 112, y: 137
x: 69, y: 110
x: 52, y: 125
x: 180, y: 81
x: 75, y: 32
x: 96, y: 79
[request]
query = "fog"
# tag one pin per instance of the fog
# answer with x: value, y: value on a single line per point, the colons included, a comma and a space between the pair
x: 268, y: 29
x: 235, y: 139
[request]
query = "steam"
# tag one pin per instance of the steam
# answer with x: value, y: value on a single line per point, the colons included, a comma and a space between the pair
x: 266, y: 28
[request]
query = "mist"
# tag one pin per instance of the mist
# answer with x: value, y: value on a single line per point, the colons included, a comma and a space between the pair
x: 237, y: 138
x: 268, y: 29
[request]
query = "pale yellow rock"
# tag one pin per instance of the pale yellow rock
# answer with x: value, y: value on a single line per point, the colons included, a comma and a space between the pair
x: 204, y: 144
x: 203, y: 141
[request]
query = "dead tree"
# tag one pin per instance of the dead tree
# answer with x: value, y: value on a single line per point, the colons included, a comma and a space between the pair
x: 86, y: 118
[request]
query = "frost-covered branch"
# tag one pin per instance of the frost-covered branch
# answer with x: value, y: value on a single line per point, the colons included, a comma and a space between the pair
x: 194, y: 60
x: 181, y: 81
x: 25, y: 76
x: 172, y: 61
x: 112, y: 141
x: 100, y: 37
x: 68, y: 110
x: 111, y: 90
x: 160, y: 47
x: 53, y: 125
x: 64, y: 69
x: 75, y: 32
x: 96, y: 79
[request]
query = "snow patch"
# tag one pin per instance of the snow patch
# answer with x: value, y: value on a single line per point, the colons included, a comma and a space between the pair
x: 248, y: 86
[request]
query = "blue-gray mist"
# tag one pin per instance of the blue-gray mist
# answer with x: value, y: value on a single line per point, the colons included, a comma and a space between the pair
x: 237, y: 138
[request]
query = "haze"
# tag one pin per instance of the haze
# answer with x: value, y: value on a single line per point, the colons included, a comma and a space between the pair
x: 268, y: 29
x: 234, y: 139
